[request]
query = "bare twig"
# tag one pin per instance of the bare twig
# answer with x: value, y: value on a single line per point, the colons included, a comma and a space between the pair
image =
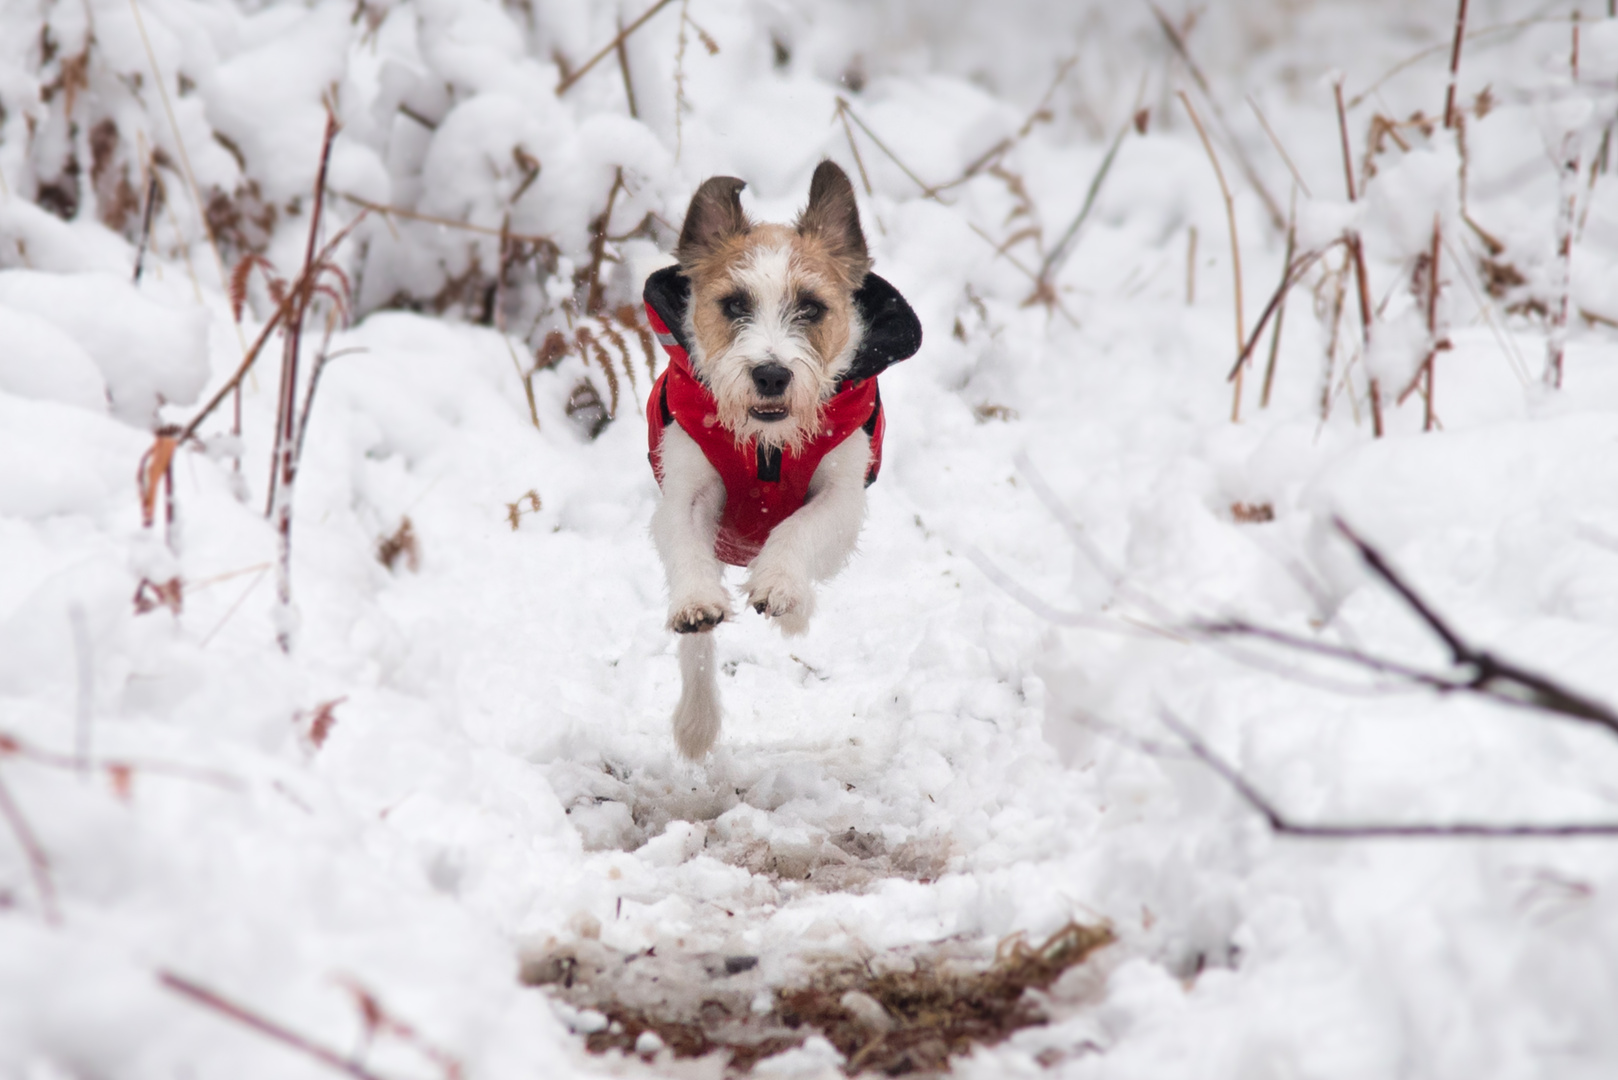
x: 623, y: 66
x: 39, y: 864
x: 263, y: 1025
x: 1295, y: 269
x: 113, y: 768
x: 1234, y: 144
x: 1281, y: 307
x: 85, y: 697
x: 932, y: 192
x: 1483, y: 674
x: 859, y: 162
x: 1567, y: 164
x: 1284, y: 825
x: 1235, y: 247
x: 449, y: 223
x: 146, y: 225
x: 284, y: 460
x: 594, y: 295
x: 927, y: 190
x: 1275, y: 141
x: 1454, y: 64
x: 1059, y: 254
x: 1191, y: 267
x: 1436, y: 342
x: 611, y: 46
x: 1356, y: 254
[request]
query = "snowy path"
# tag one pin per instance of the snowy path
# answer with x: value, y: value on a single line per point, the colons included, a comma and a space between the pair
x: 497, y: 783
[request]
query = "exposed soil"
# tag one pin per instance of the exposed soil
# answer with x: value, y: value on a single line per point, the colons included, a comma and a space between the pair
x: 896, y: 1014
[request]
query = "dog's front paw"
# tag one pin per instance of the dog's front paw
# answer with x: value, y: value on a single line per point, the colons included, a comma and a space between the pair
x: 695, y: 615
x: 787, y: 598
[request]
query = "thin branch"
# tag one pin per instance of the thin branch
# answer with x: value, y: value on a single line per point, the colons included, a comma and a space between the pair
x: 1281, y: 305
x: 1235, y: 246
x: 1059, y: 254
x: 1234, y: 144
x: 257, y: 347
x: 1483, y: 674
x: 927, y: 190
x: 611, y: 47
x: 264, y: 1026
x: 449, y: 223
x: 1275, y: 141
x: 623, y: 66
x: 146, y: 225
x: 1454, y: 64
x: 1284, y: 825
x: 39, y: 864
x: 1296, y: 268
x: 1356, y: 253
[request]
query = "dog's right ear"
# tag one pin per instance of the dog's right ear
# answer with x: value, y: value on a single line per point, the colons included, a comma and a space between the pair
x: 714, y: 217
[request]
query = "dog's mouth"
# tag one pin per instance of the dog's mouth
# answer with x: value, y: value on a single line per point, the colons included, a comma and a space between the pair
x: 770, y: 414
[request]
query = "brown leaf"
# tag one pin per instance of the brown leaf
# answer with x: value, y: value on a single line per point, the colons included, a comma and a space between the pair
x: 153, y: 466
x: 321, y: 721
x: 122, y: 778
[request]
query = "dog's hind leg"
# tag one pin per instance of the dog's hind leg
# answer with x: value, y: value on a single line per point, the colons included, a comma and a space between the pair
x: 696, y: 717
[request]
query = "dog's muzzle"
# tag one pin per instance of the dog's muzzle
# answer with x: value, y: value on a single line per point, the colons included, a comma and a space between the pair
x: 771, y: 381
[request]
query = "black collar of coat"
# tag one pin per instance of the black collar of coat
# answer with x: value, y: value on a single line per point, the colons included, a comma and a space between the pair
x: 892, y: 331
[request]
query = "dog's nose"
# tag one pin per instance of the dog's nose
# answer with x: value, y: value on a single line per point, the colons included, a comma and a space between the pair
x: 772, y: 379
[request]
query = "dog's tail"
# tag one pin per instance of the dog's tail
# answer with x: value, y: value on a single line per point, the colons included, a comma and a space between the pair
x: 696, y: 717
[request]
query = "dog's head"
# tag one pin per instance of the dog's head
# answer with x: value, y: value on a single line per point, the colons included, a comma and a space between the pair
x: 772, y: 321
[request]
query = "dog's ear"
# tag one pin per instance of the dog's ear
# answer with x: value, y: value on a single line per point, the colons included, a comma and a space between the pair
x: 715, y: 216
x: 834, y: 217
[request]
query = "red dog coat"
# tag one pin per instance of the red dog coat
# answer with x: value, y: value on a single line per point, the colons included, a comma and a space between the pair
x: 763, y: 487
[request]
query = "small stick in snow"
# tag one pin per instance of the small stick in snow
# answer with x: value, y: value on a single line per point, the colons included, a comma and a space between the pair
x: 146, y: 225
x: 84, y: 698
x: 39, y: 864
x: 1356, y: 254
x: 611, y: 46
x: 1566, y: 214
x: 1454, y: 64
x: 1281, y: 823
x: 595, y: 295
x: 931, y: 192
x: 450, y: 223
x: 1235, y: 248
x: 1043, y: 288
x: 1191, y: 267
x: 1178, y: 41
x: 623, y: 66
x: 1275, y: 140
x: 264, y: 1026
x: 1483, y: 673
x: 1436, y: 342
x: 1281, y: 308
x: 1296, y: 267
x: 289, y: 422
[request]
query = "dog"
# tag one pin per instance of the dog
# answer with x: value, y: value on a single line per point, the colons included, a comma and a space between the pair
x: 766, y: 426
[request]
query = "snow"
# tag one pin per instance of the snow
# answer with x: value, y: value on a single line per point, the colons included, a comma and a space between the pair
x: 937, y: 764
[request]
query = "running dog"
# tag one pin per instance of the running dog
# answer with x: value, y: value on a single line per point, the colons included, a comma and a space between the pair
x: 766, y: 426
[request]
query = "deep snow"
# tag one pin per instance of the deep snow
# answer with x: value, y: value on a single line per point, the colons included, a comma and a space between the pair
x: 498, y: 780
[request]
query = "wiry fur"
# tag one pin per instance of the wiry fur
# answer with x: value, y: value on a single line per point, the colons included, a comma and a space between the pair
x: 777, y: 270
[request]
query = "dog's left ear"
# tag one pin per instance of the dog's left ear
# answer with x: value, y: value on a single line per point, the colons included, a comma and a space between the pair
x: 834, y: 217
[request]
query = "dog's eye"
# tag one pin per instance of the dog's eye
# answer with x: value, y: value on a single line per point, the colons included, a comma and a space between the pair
x: 811, y: 311
x: 736, y: 306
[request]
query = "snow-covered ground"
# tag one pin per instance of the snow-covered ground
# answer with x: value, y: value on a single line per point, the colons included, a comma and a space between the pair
x: 937, y: 760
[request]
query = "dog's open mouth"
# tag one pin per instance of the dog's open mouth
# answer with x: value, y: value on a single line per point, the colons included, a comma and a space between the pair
x: 768, y: 413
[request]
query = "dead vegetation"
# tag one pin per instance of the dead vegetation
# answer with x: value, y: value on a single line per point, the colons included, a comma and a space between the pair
x: 895, y: 1014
